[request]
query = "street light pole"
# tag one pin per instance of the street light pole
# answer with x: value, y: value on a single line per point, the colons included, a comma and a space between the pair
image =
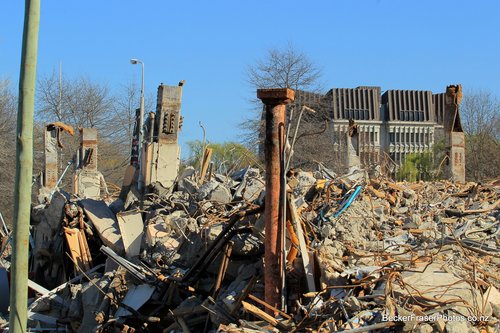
x: 140, y: 180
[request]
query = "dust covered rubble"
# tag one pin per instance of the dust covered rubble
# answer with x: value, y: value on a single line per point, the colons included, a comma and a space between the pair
x: 381, y: 251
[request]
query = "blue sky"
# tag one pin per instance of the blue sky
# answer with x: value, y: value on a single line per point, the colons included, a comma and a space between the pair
x: 394, y: 44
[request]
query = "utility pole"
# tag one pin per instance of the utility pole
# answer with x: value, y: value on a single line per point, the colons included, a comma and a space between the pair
x: 24, y: 170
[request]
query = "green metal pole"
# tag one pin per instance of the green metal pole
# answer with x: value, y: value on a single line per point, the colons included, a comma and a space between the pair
x: 24, y: 170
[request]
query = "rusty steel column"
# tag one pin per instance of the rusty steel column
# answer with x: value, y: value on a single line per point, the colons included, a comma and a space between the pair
x: 275, y: 101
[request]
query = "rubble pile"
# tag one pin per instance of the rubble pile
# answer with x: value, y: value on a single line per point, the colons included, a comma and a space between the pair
x: 362, y: 254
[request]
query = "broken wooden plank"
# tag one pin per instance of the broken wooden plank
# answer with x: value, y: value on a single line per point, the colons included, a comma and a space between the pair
x: 377, y: 193
x: 75, y: 249
x: 395, y: 187
x: 292, y: 253
x: 206, y: 161
x: 308, y: 267
x: 223, y: 267
x: 84, y: 248
x: 269, y: 306
x: 250, y: 308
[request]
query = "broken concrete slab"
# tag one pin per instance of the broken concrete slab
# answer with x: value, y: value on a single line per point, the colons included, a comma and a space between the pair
x: 437, y: 286
x: 105, y: 223
x: 131, y: 229
x: 136, y: 297
x: 221, y: 194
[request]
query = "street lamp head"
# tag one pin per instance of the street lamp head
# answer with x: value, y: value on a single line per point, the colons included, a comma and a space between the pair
x: 134, y: 61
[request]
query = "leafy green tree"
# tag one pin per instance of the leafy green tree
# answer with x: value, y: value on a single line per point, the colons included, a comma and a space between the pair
x: 226, y: 157
x: 417, y: 166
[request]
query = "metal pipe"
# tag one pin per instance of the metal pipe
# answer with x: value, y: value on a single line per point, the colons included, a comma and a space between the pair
x: 275, y: 101
x: 24, y: 169
x: 59, y: 181
x: 141, y: 132
x: 4, y: 224
x: 151, y: 127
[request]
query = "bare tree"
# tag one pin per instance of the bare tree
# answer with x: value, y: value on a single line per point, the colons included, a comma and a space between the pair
x: 80, y: 102
x: 115, y: 150
x: 287, y: 68
x: 480, y: 115
x: 7, y: 148
x: 280, y: 68
x: 124, y: 112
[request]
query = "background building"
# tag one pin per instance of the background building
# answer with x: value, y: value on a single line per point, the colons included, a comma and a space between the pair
x: 390, y: 126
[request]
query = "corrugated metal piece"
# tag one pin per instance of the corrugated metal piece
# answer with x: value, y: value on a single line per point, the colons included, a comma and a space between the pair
x: 408, y: 105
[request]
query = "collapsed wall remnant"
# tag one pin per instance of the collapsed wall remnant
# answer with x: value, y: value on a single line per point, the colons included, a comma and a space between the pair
x: 454, y: 135
x: 161, y: 156
x: 88, y: 181
x: 52, y: 141
x: 275, y: 101
x: 352, y: 150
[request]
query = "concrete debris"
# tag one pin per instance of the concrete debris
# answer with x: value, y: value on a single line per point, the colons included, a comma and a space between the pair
x: 105, y: 223
x: 362, y: 254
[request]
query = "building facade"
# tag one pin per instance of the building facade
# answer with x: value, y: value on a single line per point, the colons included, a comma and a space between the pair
x: 391, y: 125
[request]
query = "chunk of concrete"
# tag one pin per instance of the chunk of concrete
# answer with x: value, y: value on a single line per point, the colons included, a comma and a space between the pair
x: 435, y: 283
x: 457, y: 326
x: 220, y: 194
x: 54, y: 210
x: 131, y: 229
x: 105, y: 223
x: 205, y: 190
x: 305, y: 181
x: 253, y: 189
x: 136, y: 297
x: 160, y: 232
x: 424, y: 328
x: 91, y: 298
x: 247, y: 245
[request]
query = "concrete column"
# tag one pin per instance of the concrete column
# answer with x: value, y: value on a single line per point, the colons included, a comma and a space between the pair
x: 51, y: 158
x: 275, y: 101
x: 454, y: 135
x: 88, y: 148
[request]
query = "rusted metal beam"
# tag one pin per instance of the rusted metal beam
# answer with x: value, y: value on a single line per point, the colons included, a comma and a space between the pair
x: 275, y: 101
